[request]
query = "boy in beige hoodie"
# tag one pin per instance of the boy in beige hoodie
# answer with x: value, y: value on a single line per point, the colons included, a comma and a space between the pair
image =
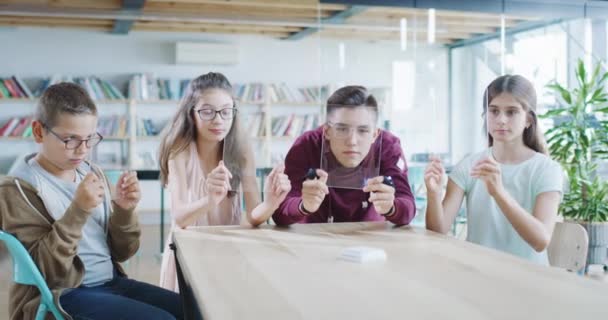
x: 59, y: 206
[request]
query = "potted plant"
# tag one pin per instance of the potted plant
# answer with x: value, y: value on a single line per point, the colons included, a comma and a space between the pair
x: 579, y: 141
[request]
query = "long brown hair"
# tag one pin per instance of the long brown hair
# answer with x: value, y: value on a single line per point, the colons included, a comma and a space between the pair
x: 181, y: 131
x: 523, y: 91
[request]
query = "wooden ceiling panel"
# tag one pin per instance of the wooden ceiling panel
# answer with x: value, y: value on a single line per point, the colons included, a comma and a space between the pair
x: 285, y: 4
x: 210, y: 29
x: 275, y: 18
x: 51, y: 21
x: 71, y: 4
x: 97, y: 25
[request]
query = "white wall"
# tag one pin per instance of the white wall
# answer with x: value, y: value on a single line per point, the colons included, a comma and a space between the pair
x: 35, y: 53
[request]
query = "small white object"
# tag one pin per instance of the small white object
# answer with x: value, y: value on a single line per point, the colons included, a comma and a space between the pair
x: 596, y: 271
x: 363, y: 254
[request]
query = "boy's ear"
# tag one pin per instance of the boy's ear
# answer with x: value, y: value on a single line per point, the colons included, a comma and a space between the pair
x: 37, y: 131
x: 377, y: 133
x: 325, y: 128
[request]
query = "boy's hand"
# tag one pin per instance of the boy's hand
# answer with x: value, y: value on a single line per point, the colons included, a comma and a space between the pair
x: 89, y: 193
x: 276, y: 187
x: 127, y: 191
x: 314, y: 192
x: 382, y: 196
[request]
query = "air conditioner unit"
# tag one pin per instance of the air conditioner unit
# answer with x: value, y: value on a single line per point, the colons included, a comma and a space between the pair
x: 205, y: 53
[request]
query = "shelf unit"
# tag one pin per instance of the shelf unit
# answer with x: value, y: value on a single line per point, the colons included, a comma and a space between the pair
x: 130, y: 143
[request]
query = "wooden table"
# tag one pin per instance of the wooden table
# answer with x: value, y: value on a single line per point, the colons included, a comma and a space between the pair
x: 294, y: 273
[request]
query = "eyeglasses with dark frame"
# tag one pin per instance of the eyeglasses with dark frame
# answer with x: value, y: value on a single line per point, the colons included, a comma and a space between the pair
x: 210, y: 114
x: 72, y: 143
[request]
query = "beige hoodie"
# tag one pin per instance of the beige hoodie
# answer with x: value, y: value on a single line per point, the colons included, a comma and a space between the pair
x: 53, y: 244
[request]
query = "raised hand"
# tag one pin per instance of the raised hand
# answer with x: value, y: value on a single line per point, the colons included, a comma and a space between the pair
x: 314, y: 191
x: 128, y: 192
x: 90, y: 192
x: 276, y: 187
x: 218, y: 183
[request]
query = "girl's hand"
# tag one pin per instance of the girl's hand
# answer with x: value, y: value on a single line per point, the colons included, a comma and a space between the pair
x: 488, y: 170
x: 218, y: 183
x: 433, y: 176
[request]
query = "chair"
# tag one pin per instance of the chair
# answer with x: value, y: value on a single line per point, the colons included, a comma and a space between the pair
x: 26, y: 272
x: 261, y: 174
x: 568, y: 246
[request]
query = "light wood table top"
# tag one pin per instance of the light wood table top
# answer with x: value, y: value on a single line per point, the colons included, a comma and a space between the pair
x: 294, y: 273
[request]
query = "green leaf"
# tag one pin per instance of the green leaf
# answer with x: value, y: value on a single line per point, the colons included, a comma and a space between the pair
x: 565, y: 94
x: 554, y: 112
x: 581, y: 73
x: 602, y: 110
x: 604, y: 77
x: 596, y: 72
x: 597, y: 94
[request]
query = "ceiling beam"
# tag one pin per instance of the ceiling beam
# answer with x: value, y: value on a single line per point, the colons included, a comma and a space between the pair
x: 338, y: 18
x: 547, y: 9
x: 524, y: 26
x: 133, y: 7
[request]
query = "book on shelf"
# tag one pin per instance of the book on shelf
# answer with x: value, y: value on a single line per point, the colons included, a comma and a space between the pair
x: 292, y: 125
x: 249, y: 92
x: 147, y: 87
x: 315, y: 94
x: 14, y: 87
x: 17, y: 127
x: 113, y: 126
x: 97, y: 88
x: 279, y: 92
x: 255, y: 124
x: 149, y: 128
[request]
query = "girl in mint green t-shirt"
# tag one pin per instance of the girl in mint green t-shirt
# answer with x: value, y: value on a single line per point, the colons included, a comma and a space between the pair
x: 513, y: 189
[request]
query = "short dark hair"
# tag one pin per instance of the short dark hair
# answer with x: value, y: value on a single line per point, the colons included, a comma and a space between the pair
x: 61, y: 98
x: 351, y: 97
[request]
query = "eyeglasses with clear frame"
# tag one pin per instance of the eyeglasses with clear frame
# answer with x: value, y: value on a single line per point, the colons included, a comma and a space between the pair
x: 341, y: 131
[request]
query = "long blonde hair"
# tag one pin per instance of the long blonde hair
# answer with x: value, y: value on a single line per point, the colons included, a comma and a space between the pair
x: 181, y: 131
x: 523, y: 91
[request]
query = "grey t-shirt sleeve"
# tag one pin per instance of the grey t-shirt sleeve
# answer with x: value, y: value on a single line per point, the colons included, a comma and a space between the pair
x: 460, y: 173
x: 551, y: 178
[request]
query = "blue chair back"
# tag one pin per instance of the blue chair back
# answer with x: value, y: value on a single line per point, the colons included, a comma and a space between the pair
x: 26, y: 272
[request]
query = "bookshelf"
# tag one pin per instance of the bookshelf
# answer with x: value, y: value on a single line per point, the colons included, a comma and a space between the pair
x: 128, y: 146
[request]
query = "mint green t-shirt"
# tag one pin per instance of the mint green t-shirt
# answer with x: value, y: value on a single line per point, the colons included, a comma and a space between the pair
x: 486, y: 224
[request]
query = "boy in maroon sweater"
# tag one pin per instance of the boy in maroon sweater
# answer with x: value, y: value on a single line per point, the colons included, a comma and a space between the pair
x: 350, y: 133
